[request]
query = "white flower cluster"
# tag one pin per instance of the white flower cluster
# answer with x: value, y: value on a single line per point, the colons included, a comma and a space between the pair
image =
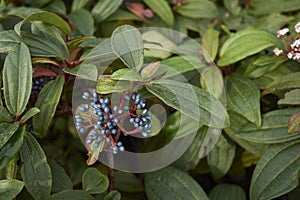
x: 293, y: 50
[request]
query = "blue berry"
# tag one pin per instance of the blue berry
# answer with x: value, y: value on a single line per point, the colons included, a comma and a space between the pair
x: 114, y: 131
x: 106, y: 110
x: 126, y: 108
x: 96, y: 144
x: 89, y: 141
x: 119, y: 144
x: 82, y: 130
x: 121, y: 148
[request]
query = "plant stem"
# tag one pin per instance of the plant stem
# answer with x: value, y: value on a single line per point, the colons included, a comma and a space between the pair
x: 111, y: 171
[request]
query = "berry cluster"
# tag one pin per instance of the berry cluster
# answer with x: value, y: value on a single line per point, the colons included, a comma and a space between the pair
x: 292, y: 45
x: 104, y: 122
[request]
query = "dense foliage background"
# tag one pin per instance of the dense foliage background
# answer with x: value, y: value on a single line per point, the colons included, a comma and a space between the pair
x: 254, y: 45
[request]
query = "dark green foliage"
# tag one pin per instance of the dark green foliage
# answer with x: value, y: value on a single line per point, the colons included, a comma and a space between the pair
x: 81, y: 81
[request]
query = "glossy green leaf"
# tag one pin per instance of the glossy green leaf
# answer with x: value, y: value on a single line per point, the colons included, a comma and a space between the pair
x: 6, y: 132
x: 294, y: 123
x: 30, y: 113
x: 71, y: 195
x: 104, y: 8
x: 128, y: 182
x: 108, y: 85
x: 9, y: 189
x: 191, y: 156
x: 8, y: 39
x: 17, y: 78
x: 127, y: 44
x: 227, y: 191
x: 94, y: 152
x: 94, y: 182
x: 262, y: 65
x: 274, y: 128
x: 5, y: 116
x: 276, y: 172
x: 198, y: 9
x: 60, y: 179
x: 126, y: 74
x: 192, y: 101
x: 36, y: 172
x: 11, y: 148
x: 212, y: 81
x: 221, y: 157
x: 113, y: 195
x: 43, y: 46
x: 292, y: 97
x: 287, y: 81
x: 172, y: 183
x: 273, y: 6
x: 243, y: 97
x: 83, y: 21
x: 162, y: 9
x: 210, y: 42
x: 149, y: 70
x: 236, y: 123
x: 77, y: 4
x: 178, y: 65
x: 56, y: 6
x: 232, y: 6
x: 86, y: 71
x: 47, y: 102
x: 245, y: 43
x: 46, y: 17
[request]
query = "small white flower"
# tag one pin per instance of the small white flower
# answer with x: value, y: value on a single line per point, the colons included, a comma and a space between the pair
x: 277, y: 51
x: 295, y: 44
x: 282, y: 32
x: 290, y: 55
x: 296, y: 56
x: 297, y: 27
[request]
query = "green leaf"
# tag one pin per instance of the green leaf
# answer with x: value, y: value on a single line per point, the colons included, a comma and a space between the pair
x: 292, y: 98
x: 9, y: 189
x: 35, y: 170
x: 276, y: 172
x: 43, y: 46
x: 83, y: 20
x: 86, y: 71
x: 94, y: 182
x: 127, y: 44
x: 5, y: 116
x: 191, y: 156
x: 8, y: 39
x: 236, y: 123
x: 128, y: 182
x: 56, y: 6
x: 243, y: 97
x: 245, y: 43
x: 113, y: 195
x: 274, y: 128
x: 47, y: 102
x: 162, y: 9
x: 126, y: 74
x: 171, y: 183
x: 198, y: 9
x: 227, y: 191
x: 149, y: 70
x: 17, y: 78
x: 157, y: 45
x: 46, y: 17
x: 232, y: 6
x: 94, y: 152
x: 77, y: 4
x: 107, y: 86
x: 6, y: 132
x: 273, y: 6
x: 210, y: 42
x: 178, y: 65
x: 30, y: 113
x: 60, y: 179
x: 71, y: 195
x: 294, y: 123
x: 104, y: 8
x: 221, y: 157
x: 287, y: 81
x: 192, y: 101
x: 11, y: 148
x: 212, y: 81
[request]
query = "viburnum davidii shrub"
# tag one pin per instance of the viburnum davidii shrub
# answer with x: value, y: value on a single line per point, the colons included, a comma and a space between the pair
x: 128, y: 99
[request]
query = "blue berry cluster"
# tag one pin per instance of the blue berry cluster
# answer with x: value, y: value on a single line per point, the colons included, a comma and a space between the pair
x: 143, y: 121
x: 100, y: 119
